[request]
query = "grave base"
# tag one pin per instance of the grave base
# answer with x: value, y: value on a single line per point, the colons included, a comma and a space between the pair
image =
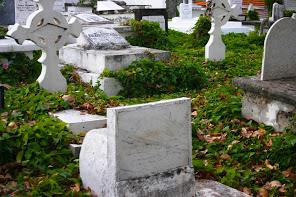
x: 97, y: 61
x: 269, y: 102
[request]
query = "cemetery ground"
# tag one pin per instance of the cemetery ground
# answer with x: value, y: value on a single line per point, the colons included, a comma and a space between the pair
x: 34, y: 156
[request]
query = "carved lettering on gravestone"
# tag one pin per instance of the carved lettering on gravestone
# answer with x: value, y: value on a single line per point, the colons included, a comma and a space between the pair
x: 49, y: 30
x: 186, y: 10
x: 101, y: 39
x: 220, y: 11
x: 23, y: 8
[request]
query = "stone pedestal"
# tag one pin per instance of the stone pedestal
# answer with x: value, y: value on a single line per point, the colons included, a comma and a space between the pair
x: 269, y: 102
x: 144, y: 151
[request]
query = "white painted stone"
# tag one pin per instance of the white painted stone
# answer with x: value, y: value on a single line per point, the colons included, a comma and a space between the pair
x: 108, y: 6
x: 220, y: 13
x: 98, y: 38
x: 110, y: 86
x: 279, y: 58
x: 24, y: 8
x: 186, y: 10
x: 79, y: 10
x: 89, y: 19
x: 141, y: 152
x: 148, y: 3
x: 49, y: 30
x: 9, y: 45
x: 97, y: 61
x: 79, y: 122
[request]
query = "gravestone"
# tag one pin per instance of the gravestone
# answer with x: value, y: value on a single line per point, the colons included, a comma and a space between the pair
x: 270, y: 99
x: 290, y: 4
x: 239, y: 4
x: 89, y: 19
x: 186, y: 10
x: 49, y: 30
x: 23, y: 8
x: 220, y: 11
x: 7, y: 13
x: 108, y: 6
x: 144, y: 151
x: 97, y: 38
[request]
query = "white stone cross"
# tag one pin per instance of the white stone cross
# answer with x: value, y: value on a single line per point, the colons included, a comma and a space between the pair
x: 49, y: 30
x: 220, y: 11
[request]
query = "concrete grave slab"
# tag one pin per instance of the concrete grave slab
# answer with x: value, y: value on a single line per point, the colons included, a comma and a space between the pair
x: 279, y: 50
x: 144, y: 151
x: 97, y: 61
x: 79, y: 122
x: 9, y: 45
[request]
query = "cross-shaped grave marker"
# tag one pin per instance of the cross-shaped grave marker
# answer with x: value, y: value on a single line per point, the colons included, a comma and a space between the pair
x: 220, y: 11
x: 49, y: 30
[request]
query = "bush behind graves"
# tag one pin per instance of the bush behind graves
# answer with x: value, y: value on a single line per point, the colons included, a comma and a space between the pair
x: 16, y: 68
x: 148, y: 34
x: 149, y: 77
x: 200, y: 35
x: 253, y: 15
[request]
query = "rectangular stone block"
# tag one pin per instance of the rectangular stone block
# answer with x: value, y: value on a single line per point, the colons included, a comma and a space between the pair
x: 97, y: 61
x: 151, y: 138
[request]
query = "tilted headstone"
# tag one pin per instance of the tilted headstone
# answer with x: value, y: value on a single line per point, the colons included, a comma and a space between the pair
x: 101, y: 39
x: 49, y: 30
x: 279, y: 59
x: 88, y: 19
x: 145, y: 151
x: 186, y: 9
x: 220, y: 14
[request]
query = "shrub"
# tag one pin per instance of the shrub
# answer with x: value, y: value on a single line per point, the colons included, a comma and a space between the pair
x: 148, y: 34
x: 149, y: 77
x: 17, y: 68
x: 253, y: 15
x: 200, y: 35
x: 289, y: 13
x: 3, y: 30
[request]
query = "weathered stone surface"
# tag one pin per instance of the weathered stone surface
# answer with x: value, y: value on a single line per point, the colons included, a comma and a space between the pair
x: 97, y: 61
x: 89, y: 19
x: 145, y: 151
x: 208, y: 188
x: 9, y: 45
x: 98, y: 38
x: 269, y: 102
x: 49, y: 30
x: 279, y: 59
x: 80, y: 122
x: 7, y: 13
x: 75, y: 148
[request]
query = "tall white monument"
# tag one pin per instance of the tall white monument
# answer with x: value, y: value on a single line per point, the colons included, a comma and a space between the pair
x: 220, y: 11
x: 49, y: 30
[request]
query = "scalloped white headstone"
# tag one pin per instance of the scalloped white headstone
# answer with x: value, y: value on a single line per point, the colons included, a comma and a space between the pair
x: 49, y: 30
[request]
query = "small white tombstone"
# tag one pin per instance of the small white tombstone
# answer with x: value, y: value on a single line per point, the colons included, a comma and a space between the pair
x: 239, y: 4
x: 108, y: 6
x: 145, y: 151
x: 186, y: 10
x: 89, y: 19
x: 49, y: 30
x: 279, y: 59
x: 220, y: 13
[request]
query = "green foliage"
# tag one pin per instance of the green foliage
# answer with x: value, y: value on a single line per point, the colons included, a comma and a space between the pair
x: 20, y: 68
x: 253, y: 15
x: 148, y: 34
x: 200, y: 35
x: 3, y: 30
x: 149, y: 77
x: 289, y: 13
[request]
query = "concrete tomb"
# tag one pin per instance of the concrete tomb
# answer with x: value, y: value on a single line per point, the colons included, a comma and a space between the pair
x: 270, y: 98
x: 220, y: 13
x: 98, y: 49
x: 49, y: 30
x: 144, y: 151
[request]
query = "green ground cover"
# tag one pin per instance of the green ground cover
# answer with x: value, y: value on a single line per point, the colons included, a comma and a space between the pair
x: 34, y: 155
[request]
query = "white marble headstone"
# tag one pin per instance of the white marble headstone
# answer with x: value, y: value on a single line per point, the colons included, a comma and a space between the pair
x: 108, y: 6
x: 23, y: 8
x: 279, y: 59
x: 186, y: 10
x: 101, y: 39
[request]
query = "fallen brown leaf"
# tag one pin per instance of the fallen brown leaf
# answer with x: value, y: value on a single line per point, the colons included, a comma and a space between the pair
x: 272, y: 184
x: 247, y: 191
x: 70, y: 99
x: 262, y: 193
